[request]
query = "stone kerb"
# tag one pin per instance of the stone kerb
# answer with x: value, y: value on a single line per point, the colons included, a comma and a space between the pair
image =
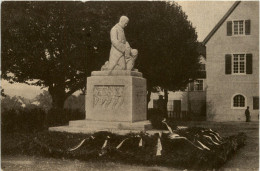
x: 117, y: 73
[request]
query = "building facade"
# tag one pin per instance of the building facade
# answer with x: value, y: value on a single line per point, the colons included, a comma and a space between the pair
x: 189, y: 104
x: 232, y: 50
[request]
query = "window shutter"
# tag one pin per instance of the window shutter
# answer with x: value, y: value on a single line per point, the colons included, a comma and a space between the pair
x: 247, y: 27
x: 229, y: 28
x: 228, y: 63
x: 255, y: 103
x: 249, y: 64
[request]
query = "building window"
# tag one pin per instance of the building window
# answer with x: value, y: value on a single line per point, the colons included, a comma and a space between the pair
x: 202, y: 67
x: 239, y: 27
x: 170, y: 105
x: 197, y: 85
x: 239, y: 64
x: 255, y: 103
x: 239, y: 101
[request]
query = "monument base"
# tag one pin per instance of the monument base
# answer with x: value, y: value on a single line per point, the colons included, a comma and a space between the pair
x: 92, y: 126
x: 118, y: 95
x: 115, y: 102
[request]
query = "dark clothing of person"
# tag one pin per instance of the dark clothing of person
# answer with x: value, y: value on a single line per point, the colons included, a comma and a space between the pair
x: 247, y: 113
x: 161, y: 107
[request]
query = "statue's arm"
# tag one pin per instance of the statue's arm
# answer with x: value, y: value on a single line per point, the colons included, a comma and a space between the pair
x: 115, y: 42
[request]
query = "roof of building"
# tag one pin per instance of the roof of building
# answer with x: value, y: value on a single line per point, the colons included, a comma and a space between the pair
x: 213, y: 31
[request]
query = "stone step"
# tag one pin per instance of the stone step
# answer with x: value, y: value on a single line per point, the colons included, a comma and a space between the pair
x: 84, y: 130
x: 91, y: 124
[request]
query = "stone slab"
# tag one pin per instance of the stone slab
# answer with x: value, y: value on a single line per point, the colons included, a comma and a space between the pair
x: 95, y: 125
x: 90, y: 131
x: 116, y: 98
x: 82, y: 130
x: 117, y: 73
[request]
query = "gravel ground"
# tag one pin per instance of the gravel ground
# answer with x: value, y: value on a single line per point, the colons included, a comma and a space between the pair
x: 247, y: 158
x: 25, y: 163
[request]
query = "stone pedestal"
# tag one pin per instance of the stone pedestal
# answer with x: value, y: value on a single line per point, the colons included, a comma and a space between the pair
x: 116, y: 96
x: 115, y: 101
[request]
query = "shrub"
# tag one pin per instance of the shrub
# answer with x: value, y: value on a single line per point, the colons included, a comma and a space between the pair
x: 36, y: 119
x: 30, y: 120
x: 8, y: 120
x: 22, y: 120
x: 56, y: 117
x: 75, y: 114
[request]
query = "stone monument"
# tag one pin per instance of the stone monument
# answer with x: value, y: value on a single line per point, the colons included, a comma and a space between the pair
x: 116, y: 95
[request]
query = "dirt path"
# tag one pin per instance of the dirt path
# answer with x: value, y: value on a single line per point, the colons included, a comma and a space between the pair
x: 247, y: 158
x: 28, y: 163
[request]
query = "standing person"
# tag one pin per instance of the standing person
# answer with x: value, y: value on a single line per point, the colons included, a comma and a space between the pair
x: 161, y: 106
x: 247, y: 113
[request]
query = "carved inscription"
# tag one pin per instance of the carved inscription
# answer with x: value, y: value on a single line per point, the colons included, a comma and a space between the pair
x: 108, y: 96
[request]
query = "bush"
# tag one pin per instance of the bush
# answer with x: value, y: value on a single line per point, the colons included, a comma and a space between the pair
x: 36, y: 119
x: 56, y: 117
x: 75, y: 114
x: 22, y: 120
x: 8, y: 120
x: 30, y: 120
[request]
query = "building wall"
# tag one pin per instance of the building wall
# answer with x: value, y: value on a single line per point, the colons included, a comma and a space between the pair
x: 222, y: 87
x: 179, y: 95
x: 196, y: 99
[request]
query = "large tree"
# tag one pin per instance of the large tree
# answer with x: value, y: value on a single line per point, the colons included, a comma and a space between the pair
x: 54, y: 43
x: 168, y: 46
x: 60, y: 43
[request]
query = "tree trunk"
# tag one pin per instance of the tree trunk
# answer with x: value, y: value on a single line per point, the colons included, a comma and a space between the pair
x: 56, y: 115
x: 58, y: 95
x: 58, y: 101
x: 165, y: 103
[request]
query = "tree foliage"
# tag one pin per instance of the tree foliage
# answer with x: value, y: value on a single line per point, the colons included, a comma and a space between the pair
x: 8, y: 102
x: 58, y: 44
x: 44, y: 100
x: 50, y: 42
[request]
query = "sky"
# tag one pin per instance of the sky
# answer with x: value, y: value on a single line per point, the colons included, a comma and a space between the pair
x: 203, y: 15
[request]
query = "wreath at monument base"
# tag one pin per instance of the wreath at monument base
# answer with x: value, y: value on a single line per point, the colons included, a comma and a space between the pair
x: 188, y: 148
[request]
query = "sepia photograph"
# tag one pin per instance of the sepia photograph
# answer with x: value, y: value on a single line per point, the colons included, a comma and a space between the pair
x: 129, y: 85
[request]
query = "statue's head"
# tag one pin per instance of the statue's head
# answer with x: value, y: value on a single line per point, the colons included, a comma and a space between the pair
x: 123, y: 21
